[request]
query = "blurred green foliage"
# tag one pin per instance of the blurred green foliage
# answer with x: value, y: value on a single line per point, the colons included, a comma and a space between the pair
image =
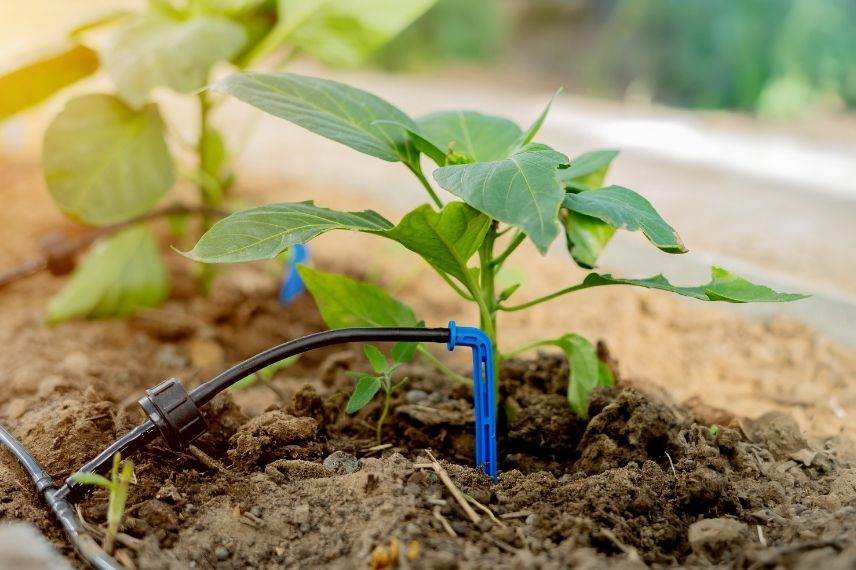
x: 774, y: 56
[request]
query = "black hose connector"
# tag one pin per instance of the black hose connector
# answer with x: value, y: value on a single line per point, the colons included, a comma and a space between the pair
x: 176, y: 416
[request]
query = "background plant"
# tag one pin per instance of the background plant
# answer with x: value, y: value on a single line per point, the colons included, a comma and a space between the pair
x: 121, y: 476
x: 367, y: 386
x: 109, y: 158
x: 510, y: 188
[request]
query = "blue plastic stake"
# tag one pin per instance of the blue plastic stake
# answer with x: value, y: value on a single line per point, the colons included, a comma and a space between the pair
x: 484, y: 398
x: 292, y: 285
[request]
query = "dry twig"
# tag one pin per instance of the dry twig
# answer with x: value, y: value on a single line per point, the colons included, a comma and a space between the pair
x: 453, y: 489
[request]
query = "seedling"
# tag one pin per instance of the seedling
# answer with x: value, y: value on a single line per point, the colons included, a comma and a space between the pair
x: 117, y: 485
x: 509, y: 188
x: 367, y: 385
x: 109, y: 158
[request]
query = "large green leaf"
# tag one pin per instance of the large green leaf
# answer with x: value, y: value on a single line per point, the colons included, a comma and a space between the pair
x: 587, y: 236
x: 104, y: 162
x: 623, y: 208
x: 472, y: 136
x: 723, y: 286
x: 584, y: 370
x: 345, y: 32
x: 445, y: 239
x: 328, y: 108
x: 365, y: 389
x: 157, y: 50
x: 267, y: 231
x: 118, y: 276
x: 29, y: 85
x: 344, y: 302
x: 521, y: 190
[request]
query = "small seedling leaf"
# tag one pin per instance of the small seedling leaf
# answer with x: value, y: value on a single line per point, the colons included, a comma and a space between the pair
x: 118, y: 276
x: 266, y: 231
x: 345, y: 302
x: 723, y: 286
x: 31, y: 84
x: 365, y: 389
x: 155, y: 50
x: 623, y: 208
x: 104, y: 162
x: 533, y: 130
x: 445, y: 239
x: 85, y: 478
x: 376, y: 358
x: 472, y: 135
x: 331, y: 109
x: 403, y: 352
x: 521, y: 190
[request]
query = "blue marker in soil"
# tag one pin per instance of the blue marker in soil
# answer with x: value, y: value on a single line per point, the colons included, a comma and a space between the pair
x: 484, y: 395
x: 292, y: 285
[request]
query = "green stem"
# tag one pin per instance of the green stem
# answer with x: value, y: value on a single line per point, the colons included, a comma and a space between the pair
x: 456, y: 287
x: 438, y: 364
x: 528, y: 346
x: 383, y: 413
x: 544, y: 299
x: 515, y: 243
x: 417, y: 171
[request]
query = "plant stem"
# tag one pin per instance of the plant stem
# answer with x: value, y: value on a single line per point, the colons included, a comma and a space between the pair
x: 528, y: 346
x: 417, y: 171
x: 455, y: 286
x: 386, y: 399
x: 515, y: 242
x: 438, y: 364
x: 544, y: 299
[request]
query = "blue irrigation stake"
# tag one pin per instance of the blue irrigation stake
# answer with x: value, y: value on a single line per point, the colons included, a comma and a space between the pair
x: 484, y: 399
x: 292, y: 285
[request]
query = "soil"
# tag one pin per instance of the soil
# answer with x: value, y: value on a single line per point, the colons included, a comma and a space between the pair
x: 284, y: 478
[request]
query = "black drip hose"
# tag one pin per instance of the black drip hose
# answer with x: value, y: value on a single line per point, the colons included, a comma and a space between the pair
x: 59, y: 499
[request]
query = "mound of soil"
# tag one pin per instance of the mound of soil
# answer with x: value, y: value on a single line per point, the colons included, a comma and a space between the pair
x: 285, y: 478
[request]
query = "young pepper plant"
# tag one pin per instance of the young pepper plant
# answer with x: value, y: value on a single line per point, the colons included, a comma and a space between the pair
x: 121, y: 476
x: 510, y: 188
x: 109, y: 158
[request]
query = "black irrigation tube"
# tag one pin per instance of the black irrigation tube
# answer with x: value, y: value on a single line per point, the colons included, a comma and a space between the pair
x: 174, y: 414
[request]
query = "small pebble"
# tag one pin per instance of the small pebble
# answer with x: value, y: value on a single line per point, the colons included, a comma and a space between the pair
x: 459, y: 527
x: 532, y: 520
x: 341, y: 463
x: 221, y: 552
x: 412, y: 529
x: 485, y: 524
x: 256, y: 511
x: 416, y: 396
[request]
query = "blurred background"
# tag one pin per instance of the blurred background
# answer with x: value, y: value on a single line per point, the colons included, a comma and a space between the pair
x: 737, y: 118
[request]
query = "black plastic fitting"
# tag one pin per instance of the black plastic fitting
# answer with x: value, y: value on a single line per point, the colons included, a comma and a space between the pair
x: 175, y: 414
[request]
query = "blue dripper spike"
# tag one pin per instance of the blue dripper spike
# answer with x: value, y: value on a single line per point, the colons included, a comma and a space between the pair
x: 292, y: 285
x: 484, y: 395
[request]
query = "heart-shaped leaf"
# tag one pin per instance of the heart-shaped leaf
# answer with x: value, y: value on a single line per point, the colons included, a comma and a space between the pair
x: 104, y: 162
x: 266, y: 231
x: 521, y: 190
x: 472, y: 136
x: 623, y: 208
x: 158, y: 50
x: 446, y: 239
x: 331, y: 109
x: 27, y: 86
x: 344, y: 302
x: 365, y: 389
x: 118, y: 276
x: 723, y: 286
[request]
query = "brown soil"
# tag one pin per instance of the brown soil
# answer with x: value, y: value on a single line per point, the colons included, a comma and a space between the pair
x: 644, y: 480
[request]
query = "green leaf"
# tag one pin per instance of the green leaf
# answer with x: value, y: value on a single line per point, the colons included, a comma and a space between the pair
x: 344, y: 302
x: 585, y: 370
x: 623, y: 208
x: 156, y: 50
x: 723, y: 286
x: 532, y: 131
x: 226, y: 7
x: 104, y: 162
x: 266, y: 231
x: 587, y: 236
x: 86, y: 478
x: 376, y: 358
x: 404, y: 351
x: 521, y: 190
x: 591, y: 163
x: 118, y: 276
x: 331, y: 109
x: 476, y: 137
x: 346, y: 32
x: 605, y: 377
x: 445, y: 239
x: 365, y: 389
x: 31, y: 84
